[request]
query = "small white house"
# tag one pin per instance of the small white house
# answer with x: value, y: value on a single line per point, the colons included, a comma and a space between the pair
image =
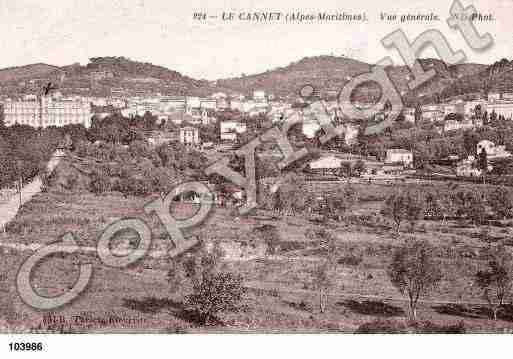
x: 399, y: 155
x: 229, y: 129
x: 326, y: 163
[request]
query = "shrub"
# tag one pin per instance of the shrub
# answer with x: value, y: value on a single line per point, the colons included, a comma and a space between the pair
x: 350, y: 260
x: 382, y: 326
x: 216, y: 293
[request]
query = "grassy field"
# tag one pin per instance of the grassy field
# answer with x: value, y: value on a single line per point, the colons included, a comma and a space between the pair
x: 280, y: 294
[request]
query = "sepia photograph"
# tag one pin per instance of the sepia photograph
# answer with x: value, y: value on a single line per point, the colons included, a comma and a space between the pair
x: 255, y: 167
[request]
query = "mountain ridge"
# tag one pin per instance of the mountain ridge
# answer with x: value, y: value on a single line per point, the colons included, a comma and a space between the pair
x: 102, y: 74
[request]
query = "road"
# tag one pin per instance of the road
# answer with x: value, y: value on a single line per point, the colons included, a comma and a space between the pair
x: 10, y: 208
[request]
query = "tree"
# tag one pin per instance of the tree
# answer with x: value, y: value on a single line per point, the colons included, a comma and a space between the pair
x: 485, y: 118
x: 359, y: 168
x: 323, y: 274
x: 176, y: 276
x: 446, y: 206
x: 291, y: 195
x: 415, y: 207
x: 418, y: 113
x: 346, y: 170
x: 501, y: 201
x: 322, y: 277
x: 495, y: 280
x: 493, y: 116
x: 470, y: 141
x: 407, y: 206
x: 395, y: 208
x: 339, y: 204
x: 270, y: 235
x: 482, y: 163
x: 478, y: 111
x: 475, y: 207
x: 214, y: 289
x: 99, y: 182
x: 414, y: 271
x: 215, y: 293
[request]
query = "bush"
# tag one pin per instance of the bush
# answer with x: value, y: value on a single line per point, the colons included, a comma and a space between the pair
x: 381, y: 326
x: 216, y: 293
x: 350, y: 260
x: 99, y: 183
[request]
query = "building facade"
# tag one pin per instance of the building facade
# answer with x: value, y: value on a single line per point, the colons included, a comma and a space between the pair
x: 48, y: 111
x: 398, y: 155
x: 189, y: 136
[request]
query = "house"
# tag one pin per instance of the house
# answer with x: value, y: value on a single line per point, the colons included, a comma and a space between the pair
x: 236, y: 105
x: 189, y: 136
x: 470, y: 106
x: 230, y: 128
x: 494, y: 96
x: 453, y: 125
x: 326, y: 164
x: 398, y: 155
x: 504, y: 108
x: 432, y: 113
x: 456, y: 107
x: 310, y: 127
x: 157, y: 139
x: 351, y: 134
x: 259, y: 96
x: 467, y: 168
x: 218, y: 95
x: 208, y: 104
x: 409, y: 114
x: 492, y: 151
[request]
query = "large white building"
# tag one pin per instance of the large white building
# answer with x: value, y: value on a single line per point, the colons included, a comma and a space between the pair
x: 504, y: 108
x: 48, y: 111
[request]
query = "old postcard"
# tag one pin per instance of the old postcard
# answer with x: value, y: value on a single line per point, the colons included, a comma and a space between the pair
x: 256, y: 167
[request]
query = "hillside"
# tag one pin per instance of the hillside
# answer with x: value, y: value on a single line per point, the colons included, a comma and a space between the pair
x: 323, y: 72
x: 331, y: 73
x: 99, y: 77
x: 496, y: 77
x: 104, y: 76
x: 32, y: 71
x: 433, y: 90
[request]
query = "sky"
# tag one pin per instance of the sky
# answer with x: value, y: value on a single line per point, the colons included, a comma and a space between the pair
x: 163, y: 32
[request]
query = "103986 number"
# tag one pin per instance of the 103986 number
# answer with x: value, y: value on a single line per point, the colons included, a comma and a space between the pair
x: 22, y: 346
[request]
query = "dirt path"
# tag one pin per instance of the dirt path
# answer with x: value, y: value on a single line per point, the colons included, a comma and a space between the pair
x: 10, y: 208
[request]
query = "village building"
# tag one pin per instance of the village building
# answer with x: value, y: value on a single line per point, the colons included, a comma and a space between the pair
x: 328, y: 164
x: 468, y: 168
x: 492, y: 151
x: 229, y: 129
x: 189, y: 136
x: 399, y: 156
x: 47, y: 111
